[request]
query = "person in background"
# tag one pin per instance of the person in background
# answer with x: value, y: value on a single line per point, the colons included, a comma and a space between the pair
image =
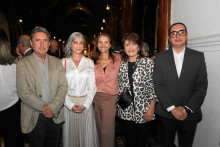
x: 155, y: 52
x: 19, y: 55
x: 53, y: 48
x: 136, y: 73
x: 79, y: 128
x: 106, y: 71
x: 24, y: 46
x: 145, y: 49
x: 62, y: 53
x: 42, y: 87
x: 180, y: 80
x: 9, y: 101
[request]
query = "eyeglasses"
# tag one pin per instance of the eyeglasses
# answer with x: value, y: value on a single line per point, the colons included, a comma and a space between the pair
x: 180, y: 32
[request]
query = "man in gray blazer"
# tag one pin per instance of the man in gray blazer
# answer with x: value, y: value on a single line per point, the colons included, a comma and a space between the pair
x: 42, y: 87
x: 180, y: 80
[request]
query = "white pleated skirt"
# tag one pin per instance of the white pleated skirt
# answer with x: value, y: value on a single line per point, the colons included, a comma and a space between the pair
x: 79, y: 129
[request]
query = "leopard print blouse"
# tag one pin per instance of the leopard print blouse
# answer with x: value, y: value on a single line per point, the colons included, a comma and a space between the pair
x: 143, y: 89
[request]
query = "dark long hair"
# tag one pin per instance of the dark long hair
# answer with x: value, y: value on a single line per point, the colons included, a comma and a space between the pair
x: 97, y: 53
x: 132, y: 37
x: 5, y: 50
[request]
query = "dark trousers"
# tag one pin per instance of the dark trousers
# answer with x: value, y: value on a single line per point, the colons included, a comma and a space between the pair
x: 10, y: 126
x: 185, y: 130
x: 135, y: 134
x: 45, y: 134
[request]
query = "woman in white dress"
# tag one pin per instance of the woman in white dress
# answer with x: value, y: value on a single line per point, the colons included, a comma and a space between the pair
x: 79, y: 129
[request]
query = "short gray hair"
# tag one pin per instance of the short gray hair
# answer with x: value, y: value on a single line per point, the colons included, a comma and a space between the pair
x: 24, y: 41
x: 145, y: 47
x: 39, y: 29
x: 68, y: 48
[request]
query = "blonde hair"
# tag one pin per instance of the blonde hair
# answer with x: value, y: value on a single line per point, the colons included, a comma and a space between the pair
x: 5, y: 50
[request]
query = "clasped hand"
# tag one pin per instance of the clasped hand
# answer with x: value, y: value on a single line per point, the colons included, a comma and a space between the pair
x: 179, y: 113
x: 78, y: 108
x: 47, y: 112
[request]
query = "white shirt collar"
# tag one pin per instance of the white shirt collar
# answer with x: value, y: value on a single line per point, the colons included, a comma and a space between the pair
x: 178, y: 59
x: 27, y: 50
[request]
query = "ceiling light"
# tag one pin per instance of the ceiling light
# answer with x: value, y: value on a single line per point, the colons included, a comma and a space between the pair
x: 107, y: 7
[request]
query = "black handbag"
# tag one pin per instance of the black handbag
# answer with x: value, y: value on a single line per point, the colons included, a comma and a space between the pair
x: 125, y: 99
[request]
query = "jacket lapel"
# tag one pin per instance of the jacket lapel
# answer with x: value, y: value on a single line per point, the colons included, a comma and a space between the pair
x: 36, y: 71
x: 50, y: 70
x: 172, y: 66
x: 186, y: 62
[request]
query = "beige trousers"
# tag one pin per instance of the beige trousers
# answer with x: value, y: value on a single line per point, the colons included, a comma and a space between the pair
x: 105, y: 111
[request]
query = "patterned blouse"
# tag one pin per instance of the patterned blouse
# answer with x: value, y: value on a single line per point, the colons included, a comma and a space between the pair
x: 143, y: 89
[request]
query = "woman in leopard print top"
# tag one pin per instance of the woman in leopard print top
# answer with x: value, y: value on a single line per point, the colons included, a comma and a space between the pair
x: 136, y: 71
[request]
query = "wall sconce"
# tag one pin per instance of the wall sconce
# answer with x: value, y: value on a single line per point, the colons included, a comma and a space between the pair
x: 102, y: 28
x: 60, y: 40
x: 103, y: 20
x: 54, y: 37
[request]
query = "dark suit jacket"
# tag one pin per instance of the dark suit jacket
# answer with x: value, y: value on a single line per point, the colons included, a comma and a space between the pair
x: 187, y: 90
x: 53, y: 54
x: 28, y: 53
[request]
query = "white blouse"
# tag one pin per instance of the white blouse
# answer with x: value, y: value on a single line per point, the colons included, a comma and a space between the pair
x: 81, y: 81
x: 8, y: 90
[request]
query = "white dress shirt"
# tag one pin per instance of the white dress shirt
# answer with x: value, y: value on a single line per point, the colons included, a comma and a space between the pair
x: 8, y: 90
x: 81, y: 81
x: 178, y: 59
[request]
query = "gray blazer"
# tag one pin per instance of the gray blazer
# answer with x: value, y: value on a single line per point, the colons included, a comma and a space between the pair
x: 30, y: 90
x: 187, y: 90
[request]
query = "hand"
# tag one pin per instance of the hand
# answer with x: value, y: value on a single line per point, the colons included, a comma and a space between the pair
x: 47, y: 112
x: 179, y: 113
x: 149, y: 115
x: 150, y: 111
x: 81, y: 108
x: 78, y: 108
x: 75, y: 108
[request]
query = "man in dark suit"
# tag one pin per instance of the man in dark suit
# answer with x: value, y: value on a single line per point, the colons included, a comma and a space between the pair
x: 180, y: 80
x: 24, y: 46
